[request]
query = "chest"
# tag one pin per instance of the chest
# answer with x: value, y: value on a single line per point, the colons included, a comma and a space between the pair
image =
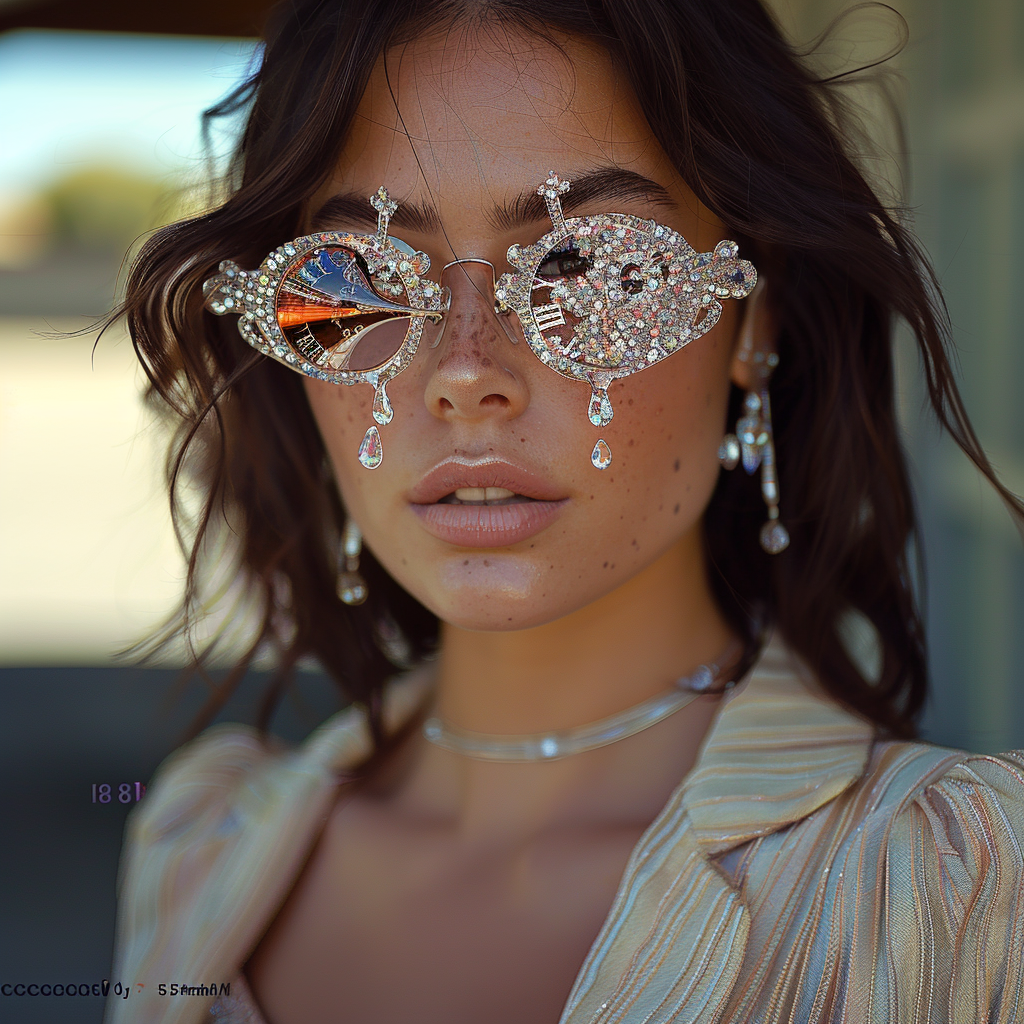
x: 390, y: 923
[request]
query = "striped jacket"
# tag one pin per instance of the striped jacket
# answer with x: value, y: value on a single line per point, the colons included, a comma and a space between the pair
x: 803, y: 871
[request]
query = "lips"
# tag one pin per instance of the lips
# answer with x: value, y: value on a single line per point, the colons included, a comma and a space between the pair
x: 535, y: 503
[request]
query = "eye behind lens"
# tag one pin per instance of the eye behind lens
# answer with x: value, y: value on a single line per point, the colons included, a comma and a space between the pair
x: 564, y: 262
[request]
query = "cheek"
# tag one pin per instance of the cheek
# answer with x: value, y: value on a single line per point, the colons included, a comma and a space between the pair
x: 342, y: 415
x: 669, y: 421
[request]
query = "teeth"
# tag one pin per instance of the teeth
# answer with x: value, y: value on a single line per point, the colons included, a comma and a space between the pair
x: 483, y: 494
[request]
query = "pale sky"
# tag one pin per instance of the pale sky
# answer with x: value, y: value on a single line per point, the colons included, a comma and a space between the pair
x: 71, y: 99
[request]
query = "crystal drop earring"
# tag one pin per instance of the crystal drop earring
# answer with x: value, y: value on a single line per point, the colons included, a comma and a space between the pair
x: 753, y: 444
x: 351, y: 585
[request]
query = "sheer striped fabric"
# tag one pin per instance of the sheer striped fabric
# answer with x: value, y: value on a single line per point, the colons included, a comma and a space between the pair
x: 802, y: 872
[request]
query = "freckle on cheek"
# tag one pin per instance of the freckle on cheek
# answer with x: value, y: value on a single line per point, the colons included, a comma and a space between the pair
x: 675, y: 511
x: 676, y: 466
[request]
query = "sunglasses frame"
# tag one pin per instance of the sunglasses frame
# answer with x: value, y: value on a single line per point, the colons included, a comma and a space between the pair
x: 613, y: 242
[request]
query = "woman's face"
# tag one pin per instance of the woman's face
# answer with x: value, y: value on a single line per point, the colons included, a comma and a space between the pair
x: 469, y: 122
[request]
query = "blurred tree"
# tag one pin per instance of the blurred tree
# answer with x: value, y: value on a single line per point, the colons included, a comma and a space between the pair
x: 106, y: 209
x: 82, y: 226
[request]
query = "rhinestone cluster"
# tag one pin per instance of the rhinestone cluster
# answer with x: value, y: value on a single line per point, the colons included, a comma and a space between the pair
x: 645, y: 294
x: 637, y: 293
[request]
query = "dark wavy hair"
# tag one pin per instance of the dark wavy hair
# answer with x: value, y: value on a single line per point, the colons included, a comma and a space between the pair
x: 756, y: 135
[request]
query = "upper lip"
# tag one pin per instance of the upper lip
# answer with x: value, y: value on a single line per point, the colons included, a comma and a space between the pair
x: 454, y: 473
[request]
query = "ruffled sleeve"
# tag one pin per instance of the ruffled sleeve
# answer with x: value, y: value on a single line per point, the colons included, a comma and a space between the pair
x: 954, y: 905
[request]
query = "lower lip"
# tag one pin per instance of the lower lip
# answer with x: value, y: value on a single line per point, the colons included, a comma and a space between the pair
x: 488, y: 526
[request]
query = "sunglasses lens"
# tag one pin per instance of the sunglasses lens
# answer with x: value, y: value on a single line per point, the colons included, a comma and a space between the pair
x: 549, y: 307
x: 338, y: 315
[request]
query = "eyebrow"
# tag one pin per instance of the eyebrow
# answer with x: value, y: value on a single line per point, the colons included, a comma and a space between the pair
x: 600, y: 184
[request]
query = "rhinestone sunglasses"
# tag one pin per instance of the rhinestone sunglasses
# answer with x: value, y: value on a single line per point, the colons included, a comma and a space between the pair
x: 597, y: 298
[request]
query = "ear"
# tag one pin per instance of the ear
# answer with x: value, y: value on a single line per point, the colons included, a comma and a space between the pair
x: 754, y: 347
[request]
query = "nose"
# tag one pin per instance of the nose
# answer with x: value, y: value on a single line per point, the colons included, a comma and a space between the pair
x: 477, y: 373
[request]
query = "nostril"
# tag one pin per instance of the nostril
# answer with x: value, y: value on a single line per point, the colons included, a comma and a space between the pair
x: 495, y: 401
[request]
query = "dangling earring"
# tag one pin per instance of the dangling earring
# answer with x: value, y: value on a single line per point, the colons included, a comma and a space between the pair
x: 351, y: 585
x: 754, y: 445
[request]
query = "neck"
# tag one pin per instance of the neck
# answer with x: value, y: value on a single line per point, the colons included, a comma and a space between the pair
x: 629, y: 645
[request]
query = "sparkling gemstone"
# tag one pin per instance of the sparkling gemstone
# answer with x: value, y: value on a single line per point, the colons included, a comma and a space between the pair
x: 351, y: 588
x: 729, y: 451
x: 774, y: 537
x: 600, y: 410
x: 601, y: 456
x: 382, y: 411
x: 371, y: 451
x: 549, y: 746
x: 701, y: 680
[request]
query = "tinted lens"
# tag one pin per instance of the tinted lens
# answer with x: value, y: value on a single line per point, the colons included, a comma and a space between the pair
x: 561, y: 266
x: 338, y: 316
x: 376, y: 343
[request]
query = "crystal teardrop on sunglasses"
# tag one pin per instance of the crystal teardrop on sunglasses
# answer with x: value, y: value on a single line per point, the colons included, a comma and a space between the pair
x: 382, y: 411
x: 371, y: 451
x: 601, y: 456
x: 600, y: 409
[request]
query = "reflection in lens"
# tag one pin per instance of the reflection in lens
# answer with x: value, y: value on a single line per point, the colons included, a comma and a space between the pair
x: 376, y: 344
x: 358, y: 343
x: 337, y: 316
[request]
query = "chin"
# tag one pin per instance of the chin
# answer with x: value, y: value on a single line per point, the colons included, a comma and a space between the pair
x: 492, y: 592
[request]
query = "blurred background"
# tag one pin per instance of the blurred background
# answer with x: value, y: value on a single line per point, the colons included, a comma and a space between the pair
x: 100, y: 141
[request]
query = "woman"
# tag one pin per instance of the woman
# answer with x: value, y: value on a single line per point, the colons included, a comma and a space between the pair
x: 637, y: 770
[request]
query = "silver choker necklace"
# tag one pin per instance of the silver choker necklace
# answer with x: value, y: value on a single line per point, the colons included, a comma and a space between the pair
x: 551, y: 746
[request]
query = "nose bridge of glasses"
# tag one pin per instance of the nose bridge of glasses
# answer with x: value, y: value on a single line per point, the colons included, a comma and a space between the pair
x: 479, y: 284
x: 463, y: 264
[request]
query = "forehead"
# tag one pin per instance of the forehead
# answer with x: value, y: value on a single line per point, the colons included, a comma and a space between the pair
x: 468, y: 117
